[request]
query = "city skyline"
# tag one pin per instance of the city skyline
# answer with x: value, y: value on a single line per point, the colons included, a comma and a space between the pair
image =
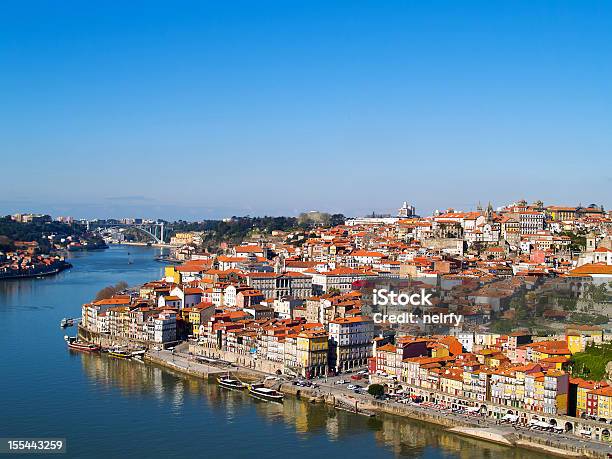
x: 213, y: 110
x: 387, y: 212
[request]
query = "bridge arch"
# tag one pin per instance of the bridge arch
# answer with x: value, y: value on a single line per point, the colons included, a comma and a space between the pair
x: 154, y: 231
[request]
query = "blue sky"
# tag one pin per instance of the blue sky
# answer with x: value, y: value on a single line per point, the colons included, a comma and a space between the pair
x: 210, y: 109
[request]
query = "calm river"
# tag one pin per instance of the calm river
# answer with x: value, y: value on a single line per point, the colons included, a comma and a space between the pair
x: 111, y: 408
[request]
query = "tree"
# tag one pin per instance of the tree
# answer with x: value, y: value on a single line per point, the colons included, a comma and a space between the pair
x: 111, y: 290
x: 337, y: 219
x: 501, y: 326
x: 376, y: 390
x: 577, y: 240
x: 314, y: 218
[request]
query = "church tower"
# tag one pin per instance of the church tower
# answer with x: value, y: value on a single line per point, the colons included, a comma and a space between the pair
x: 489, y: 213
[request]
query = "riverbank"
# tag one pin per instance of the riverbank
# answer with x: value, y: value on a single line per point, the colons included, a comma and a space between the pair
x: 34, y: 273
x: 365, y: 405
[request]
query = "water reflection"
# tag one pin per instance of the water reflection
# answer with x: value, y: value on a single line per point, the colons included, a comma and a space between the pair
x: 402, y: 437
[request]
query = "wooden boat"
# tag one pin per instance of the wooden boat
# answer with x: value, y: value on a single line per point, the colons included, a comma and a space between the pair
x: 231, y: 383
x: 75, y: 344
x: 119, y: 354
x: 263, y: 393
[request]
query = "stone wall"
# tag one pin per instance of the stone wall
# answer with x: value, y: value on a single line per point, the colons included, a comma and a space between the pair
x: 246, y: 361
x: 107, y: 341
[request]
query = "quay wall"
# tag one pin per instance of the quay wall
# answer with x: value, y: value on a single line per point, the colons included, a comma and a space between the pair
x: 197, y: 372
x: 106, y: 341
x: 361, y: 407
x: 467, y: 427
x: 242, y: 360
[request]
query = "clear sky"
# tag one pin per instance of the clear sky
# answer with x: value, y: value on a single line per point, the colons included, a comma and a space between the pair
x: 212, y: 109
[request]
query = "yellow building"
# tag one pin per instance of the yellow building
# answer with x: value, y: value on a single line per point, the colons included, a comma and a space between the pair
x: 437, y: 350
x: 495, y: 360
x: 539, y: 392
x: 583, y: 387
x: 601, y: 399
x: 579, y: 336
x: 198, y: 315
x: 172, y: 275
x: 561, y: 213
x: 555, y: 363
x: 451, y: 381
x: 548, y: 352
x: 312, y: 347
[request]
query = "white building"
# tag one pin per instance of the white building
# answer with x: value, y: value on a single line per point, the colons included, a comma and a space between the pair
x: 350, y: 340
x: 169, y: 301
x: 371, y: 221
x: 283, y: 308
x: 531, y: 221
x: 466, y: 339
x: 340, y: 279
x: 189, y: 296
x: 165, y: 327
x: 229, y: 295
x: 406, y: 211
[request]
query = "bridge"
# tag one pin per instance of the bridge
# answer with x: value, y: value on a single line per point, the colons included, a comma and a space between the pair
x: 154, y: 230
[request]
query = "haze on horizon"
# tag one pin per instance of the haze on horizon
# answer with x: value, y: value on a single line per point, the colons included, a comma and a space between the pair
x: 206, y: 110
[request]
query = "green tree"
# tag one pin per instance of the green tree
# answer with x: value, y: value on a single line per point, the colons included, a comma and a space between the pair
x: 376, y: 390
x: 502, y: 326
x: 577, y: 240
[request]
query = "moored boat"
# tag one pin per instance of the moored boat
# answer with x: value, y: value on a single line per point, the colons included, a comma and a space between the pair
x: 75, y: 344
x: 119, y: 353
x: 231, y: 383
x: 66, y: 322
x: 263, y: 393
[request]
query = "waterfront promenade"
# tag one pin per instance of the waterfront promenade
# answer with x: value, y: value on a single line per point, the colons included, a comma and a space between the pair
x: 338, y: 395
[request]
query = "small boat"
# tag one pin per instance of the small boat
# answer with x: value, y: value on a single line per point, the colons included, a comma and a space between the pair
x: 263, y: 393
x: 231, y: 383
x: 75, y: 344
x: 66, y: 322
x: 119, y: 354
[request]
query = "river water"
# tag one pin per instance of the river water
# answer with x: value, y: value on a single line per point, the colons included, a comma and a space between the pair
x: 113, y: 408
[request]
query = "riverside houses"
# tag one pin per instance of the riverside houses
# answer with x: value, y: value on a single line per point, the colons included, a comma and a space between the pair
x: 137, y: 319
x: 165, y: 327
x: 350, y: 342
x: 311, y: 352
x: 300, y: 304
